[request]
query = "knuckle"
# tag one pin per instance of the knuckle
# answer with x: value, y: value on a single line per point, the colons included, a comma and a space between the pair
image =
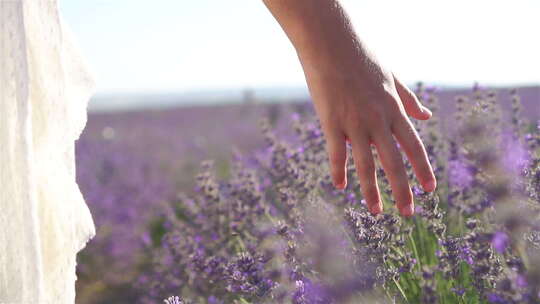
x: 369, y: 113
x: 365, y: 169
x: 395, y: 102
x: 410, y: 93
x: 375, y: 115
x: 402, y: 122
x: 407, y: 134
x: 414, y: 146
x: 411, y: 131
x: 337, y: 160
x: 395, y: 165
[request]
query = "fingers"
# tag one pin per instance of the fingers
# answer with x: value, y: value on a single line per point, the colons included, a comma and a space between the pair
x: 365, y: 168
x: 412, y: 105
x: 392, y: 163
x: 337, y: 154
x: 416, y: 153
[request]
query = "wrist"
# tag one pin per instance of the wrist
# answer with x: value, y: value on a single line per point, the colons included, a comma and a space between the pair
x: 319, y: 30
x: 332, y: 46
x: 332, y: 56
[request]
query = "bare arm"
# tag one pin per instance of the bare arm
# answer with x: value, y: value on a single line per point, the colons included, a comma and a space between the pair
x: 356, y: 100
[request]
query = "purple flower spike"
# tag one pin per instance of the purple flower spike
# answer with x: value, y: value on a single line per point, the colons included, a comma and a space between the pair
x: 460, y: 174
x: 458, y: 291
x: 500, y: 241
x: 521, y: 281
x: 495, y: 298
x: 147, y: 240
x: 417, y: 191
x: 431, y: 89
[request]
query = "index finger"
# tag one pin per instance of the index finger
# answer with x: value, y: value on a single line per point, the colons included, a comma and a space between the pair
x: 416, y: 153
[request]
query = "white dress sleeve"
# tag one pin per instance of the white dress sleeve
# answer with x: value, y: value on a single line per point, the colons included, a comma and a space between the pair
x: 44, y: 90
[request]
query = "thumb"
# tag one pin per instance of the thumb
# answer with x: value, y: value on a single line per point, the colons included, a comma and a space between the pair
x: 412, y: 105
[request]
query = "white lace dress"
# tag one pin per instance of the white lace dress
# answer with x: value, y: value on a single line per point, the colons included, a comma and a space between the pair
x: 44, y: 90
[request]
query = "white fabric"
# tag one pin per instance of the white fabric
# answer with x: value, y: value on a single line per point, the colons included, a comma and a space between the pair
x: 44, y: 90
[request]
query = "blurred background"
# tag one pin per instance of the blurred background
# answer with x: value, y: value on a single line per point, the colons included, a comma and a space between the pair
x: 188, y: 52
x: 183, y: 81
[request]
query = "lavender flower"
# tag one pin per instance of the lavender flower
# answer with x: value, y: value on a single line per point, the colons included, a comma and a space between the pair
x: 500, y: 241
x: 173, y: 300
x: 269, y: 227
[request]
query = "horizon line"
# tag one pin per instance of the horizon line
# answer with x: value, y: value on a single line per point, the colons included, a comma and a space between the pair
x: 211, y: 89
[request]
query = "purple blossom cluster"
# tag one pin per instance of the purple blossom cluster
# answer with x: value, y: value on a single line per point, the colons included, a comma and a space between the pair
x: 128, y: 163
x: 269, y: 226
x: 277, y: 231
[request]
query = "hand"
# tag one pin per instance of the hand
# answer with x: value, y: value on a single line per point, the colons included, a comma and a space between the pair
x: 362, y: 103
x: 357, y: 100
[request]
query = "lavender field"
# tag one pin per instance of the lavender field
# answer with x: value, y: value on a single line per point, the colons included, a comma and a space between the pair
x: 234, y: 204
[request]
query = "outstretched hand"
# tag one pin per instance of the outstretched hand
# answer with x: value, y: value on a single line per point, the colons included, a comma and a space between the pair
x: 371, y: 108
x: 357, y: 100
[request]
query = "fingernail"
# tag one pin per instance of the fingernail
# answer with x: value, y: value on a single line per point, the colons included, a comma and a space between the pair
x: 426, y: 111
x: 341, y: 185
x: 407, y: 210
x: 430, y: 186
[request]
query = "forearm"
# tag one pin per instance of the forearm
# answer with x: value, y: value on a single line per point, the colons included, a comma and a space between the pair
x: 320, y: 31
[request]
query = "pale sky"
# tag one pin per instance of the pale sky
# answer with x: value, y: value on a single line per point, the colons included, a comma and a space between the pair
x: 176, y: 45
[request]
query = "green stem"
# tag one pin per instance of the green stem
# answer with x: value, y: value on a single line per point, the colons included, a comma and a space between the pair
x: 415, y: 250
x: 242, y: 300
x: 400, y: 290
